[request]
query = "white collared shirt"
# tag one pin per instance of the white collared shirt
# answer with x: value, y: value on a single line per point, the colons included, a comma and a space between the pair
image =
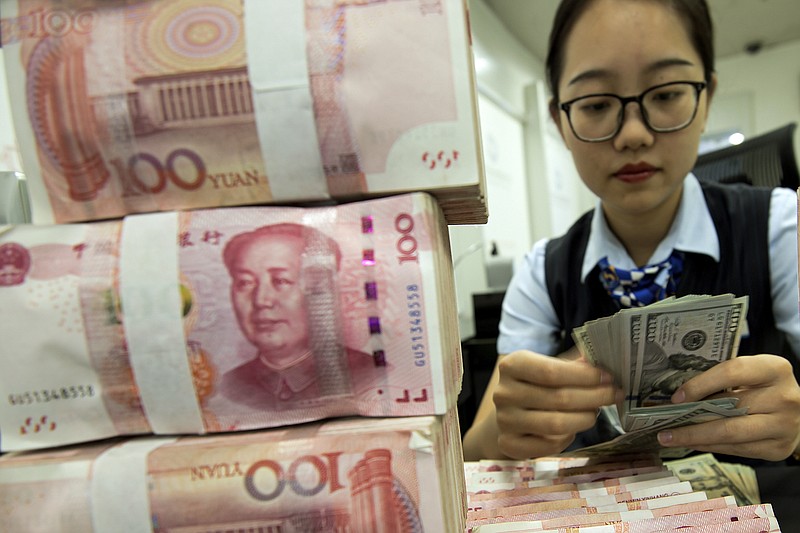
x: 529, y: 320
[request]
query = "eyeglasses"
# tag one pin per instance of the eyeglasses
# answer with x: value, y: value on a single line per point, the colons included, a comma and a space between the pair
x: 665, y: 108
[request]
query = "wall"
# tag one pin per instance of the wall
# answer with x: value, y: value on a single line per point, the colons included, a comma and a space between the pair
x: 509, y: 66
x: 764, y: 87
x: 513, y: 79
x: 504, y: 68
x: 518, y: 185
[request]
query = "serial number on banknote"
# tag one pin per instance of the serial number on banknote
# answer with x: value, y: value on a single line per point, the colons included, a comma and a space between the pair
x: 416, y: 321
x: 74, y: 392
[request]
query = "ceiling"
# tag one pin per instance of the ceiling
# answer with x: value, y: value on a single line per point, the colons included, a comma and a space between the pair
x: 738, y: 23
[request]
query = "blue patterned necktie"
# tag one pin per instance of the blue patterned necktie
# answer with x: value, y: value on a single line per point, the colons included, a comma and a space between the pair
x: 641, y: 286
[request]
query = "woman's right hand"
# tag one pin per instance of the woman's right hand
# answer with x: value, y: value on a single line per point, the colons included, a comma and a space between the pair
x: 542, y: 402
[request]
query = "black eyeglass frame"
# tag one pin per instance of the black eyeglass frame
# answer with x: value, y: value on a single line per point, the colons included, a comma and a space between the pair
x: 625, y: 100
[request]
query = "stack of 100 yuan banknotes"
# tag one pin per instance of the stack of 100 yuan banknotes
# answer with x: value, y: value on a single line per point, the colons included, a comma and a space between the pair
x: 235, y: 307
x: 615, y: 494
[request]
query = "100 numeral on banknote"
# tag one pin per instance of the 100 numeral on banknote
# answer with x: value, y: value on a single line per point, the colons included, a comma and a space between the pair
x: 387, y: 475
x: 225, y: 319
x: 154, y: 105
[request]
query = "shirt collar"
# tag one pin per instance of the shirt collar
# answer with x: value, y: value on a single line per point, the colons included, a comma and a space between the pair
x: 297, y: 376
x: 692, y: 231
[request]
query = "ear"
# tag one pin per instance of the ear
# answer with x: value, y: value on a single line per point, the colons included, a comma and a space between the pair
x: 555, y: 114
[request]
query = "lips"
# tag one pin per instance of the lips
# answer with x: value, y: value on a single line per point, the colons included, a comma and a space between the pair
x: 264, y: 324
x: 634, y: 173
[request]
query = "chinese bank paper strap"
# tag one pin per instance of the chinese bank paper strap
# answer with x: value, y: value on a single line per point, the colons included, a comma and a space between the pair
x: 151, y: 304
x: 120, y: 501
x: 282, y: 97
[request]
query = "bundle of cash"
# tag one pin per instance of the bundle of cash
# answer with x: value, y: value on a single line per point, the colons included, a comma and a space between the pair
x: 612, y: 494
x: 717, y: 478
x: 391, y: 475
x: 651, y: 351
x: 225, y: 319
x: 166, y: 288
x: 156, y: 105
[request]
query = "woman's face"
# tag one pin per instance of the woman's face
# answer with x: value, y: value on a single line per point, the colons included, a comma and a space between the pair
x: 625, y: 47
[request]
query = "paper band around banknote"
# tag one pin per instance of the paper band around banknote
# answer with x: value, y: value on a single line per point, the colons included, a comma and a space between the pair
x: 225, y: 319
x: 159, y: 105
x: 402, y: 474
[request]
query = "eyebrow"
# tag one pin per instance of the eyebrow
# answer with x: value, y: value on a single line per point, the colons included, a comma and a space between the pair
x: 593, y: 74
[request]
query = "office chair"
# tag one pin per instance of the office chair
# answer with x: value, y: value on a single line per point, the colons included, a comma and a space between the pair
x: 766, y: 161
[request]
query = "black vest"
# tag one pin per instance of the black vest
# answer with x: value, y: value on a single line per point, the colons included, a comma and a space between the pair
x: 741, y: 217
x: 740, y: 214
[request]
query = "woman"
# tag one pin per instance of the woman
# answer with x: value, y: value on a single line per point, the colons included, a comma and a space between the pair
x: 631, y: 82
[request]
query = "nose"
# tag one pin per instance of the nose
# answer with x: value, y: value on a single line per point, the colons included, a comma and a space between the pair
x: 264, y: 295
x: 633, y: 133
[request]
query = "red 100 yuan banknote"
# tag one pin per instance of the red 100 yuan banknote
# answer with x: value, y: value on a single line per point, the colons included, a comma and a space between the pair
x: 225, y: 319
x: 360, y: 475
x: 156, y: 105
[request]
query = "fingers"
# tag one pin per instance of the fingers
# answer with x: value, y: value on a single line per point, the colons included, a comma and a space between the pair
x: 755, y: 450
x: 771, y: 436
x: 541, y: 402
x: 542, y: 423
x: 532, y: 381
x: 527, y: 396
x: 551, y: 371
x: 526, y: 433
x: 746, y: 371
x: 573, y: 354
x: 766, y: 386
x: 526, y: 446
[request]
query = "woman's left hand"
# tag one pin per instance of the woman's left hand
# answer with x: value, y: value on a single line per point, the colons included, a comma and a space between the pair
x: 766, y: 386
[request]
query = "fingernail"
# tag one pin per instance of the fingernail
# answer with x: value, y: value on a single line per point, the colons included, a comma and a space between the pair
x: 665, y: 437
x: 605, y: 377
x: 679, y: 396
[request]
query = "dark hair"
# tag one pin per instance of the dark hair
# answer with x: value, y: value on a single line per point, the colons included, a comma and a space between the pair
x: 694, y: 12
x: 314, y: 241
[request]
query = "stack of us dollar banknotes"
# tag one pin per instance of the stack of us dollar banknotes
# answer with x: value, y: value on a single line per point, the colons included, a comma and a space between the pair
x: 234, y: 309
x: 651, y: 351
x: 632, y: 493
